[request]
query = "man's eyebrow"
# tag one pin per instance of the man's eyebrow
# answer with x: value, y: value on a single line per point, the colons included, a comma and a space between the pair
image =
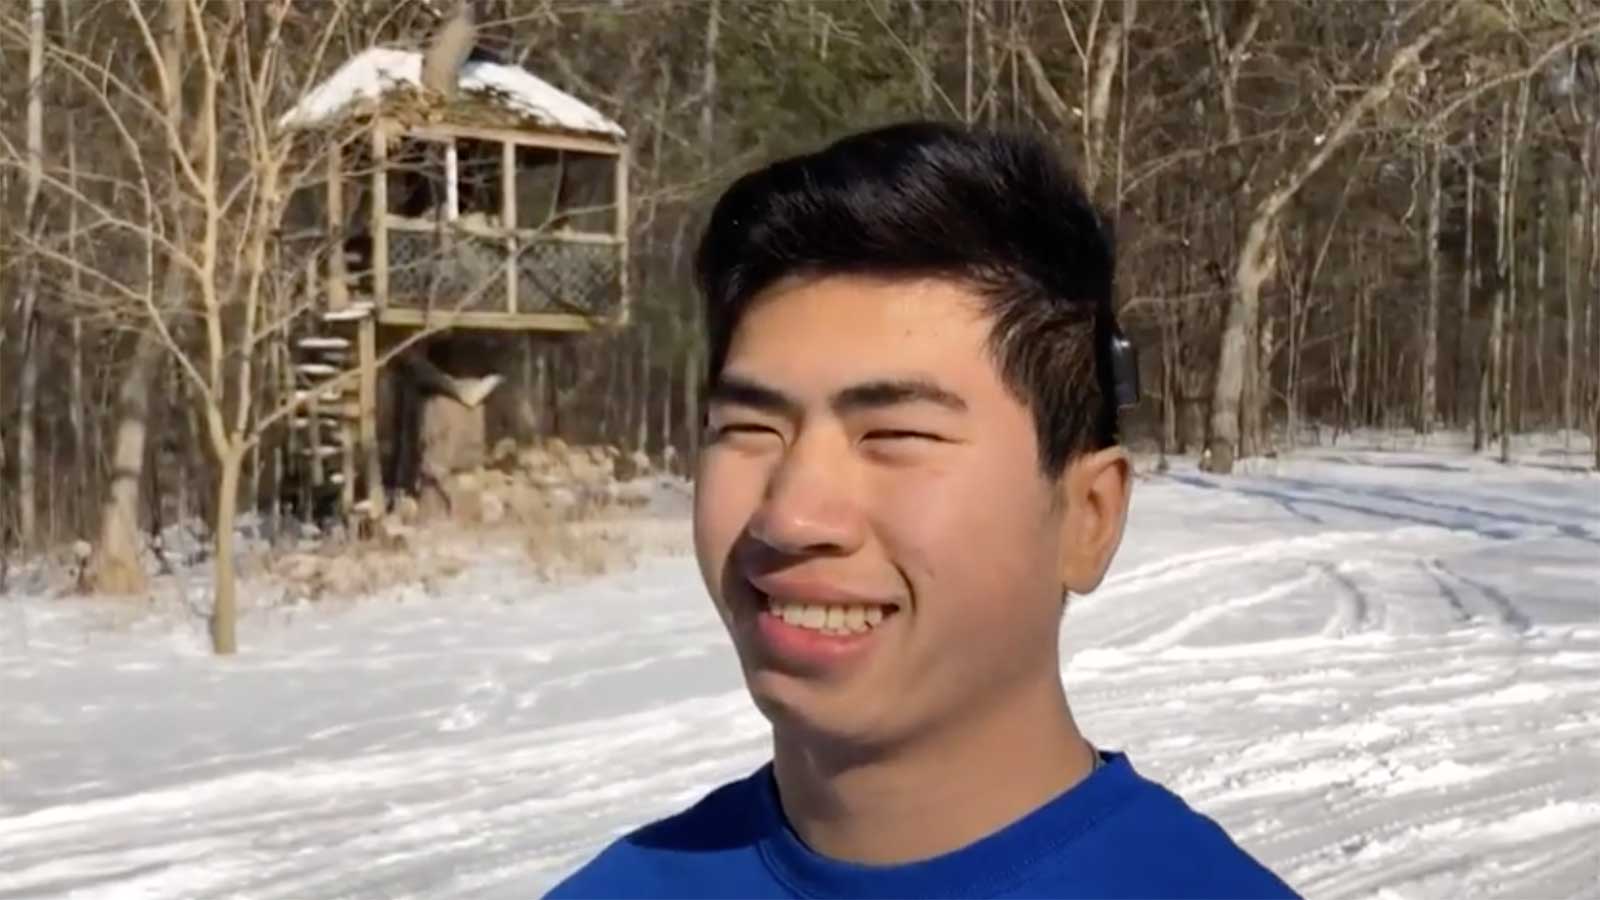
x: 895, y: 392
x: 738, y: 390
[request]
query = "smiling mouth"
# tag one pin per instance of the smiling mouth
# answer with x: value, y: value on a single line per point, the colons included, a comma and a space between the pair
x: 830, y: 619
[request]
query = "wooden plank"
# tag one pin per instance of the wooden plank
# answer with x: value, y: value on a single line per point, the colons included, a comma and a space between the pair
x: 576, y: 143
x: 494, y: 321
x: 471, y: 226
x: 508, y: 218
x: 380, y: 214
x: 367, y: 341
x: 338, y: 276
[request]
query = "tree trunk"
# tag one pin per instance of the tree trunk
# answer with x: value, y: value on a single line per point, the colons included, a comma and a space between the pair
x: 1468, y: 274
x: 224, y: 610
x: 1591, y: 319
x: 1536, y: 351
x: 81, y: 454
x: 668, y: 449
x: 991, y: 94
x: 1428, y: 406
x: 966, y: 104
x: 1169, y: 387
x: 1505, y: 318
x: 1379, y: 414
x: 642, y: 439
x: 1249, y: 403
x: 1482, y: 431
x: 541, y: 391
x: 1490, y: 374
x: 925, y: 55
x: 1291, y: 382
x: 691, y: 402
x: 1508, y: 365
x: 27, y: 321
x: 691, y: 359
x: 1358, y: 327
x: 708, y: 80
x: 1233, y: 360
x: 1577, y: 248
x: 116, y: 566
x: 1258, y: 418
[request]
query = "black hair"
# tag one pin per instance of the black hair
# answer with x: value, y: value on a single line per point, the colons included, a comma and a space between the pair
x: 996, y: 210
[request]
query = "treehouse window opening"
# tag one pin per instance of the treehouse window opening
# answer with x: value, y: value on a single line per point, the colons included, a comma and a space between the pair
x: 563, y: 190
x: 478, y: 184
x: 455, y: 180
x: 415, y: 175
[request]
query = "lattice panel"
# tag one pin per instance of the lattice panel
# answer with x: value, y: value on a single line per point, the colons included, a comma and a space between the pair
x: 426, y: 270
x: 442, y: 273
x: 559, y: 276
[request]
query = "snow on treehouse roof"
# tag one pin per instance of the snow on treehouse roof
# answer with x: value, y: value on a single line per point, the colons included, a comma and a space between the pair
x: 378, y: 72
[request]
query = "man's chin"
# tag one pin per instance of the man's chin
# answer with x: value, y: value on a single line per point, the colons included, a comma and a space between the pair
x: 818, y: 715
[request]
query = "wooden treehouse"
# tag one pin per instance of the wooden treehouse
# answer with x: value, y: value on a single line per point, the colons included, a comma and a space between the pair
x: 494, y: 206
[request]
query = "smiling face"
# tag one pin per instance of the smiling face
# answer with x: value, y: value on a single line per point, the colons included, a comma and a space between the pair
x: 870, y: 517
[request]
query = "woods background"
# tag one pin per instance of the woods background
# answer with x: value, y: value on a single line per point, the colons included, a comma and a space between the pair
x: 1329, y: 215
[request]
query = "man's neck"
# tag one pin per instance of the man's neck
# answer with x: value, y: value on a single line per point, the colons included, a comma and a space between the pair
x: 938, y: 794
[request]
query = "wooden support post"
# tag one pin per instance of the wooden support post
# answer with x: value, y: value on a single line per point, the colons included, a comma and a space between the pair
x: 347, y: 467
x: 313, y: 411
x: 367, y: 339
x: 306, y: 442
x: 338, y: 275
x: 622, y: 223
x: 380, y: 213
x: 452, y: 183
x: 508, y: 219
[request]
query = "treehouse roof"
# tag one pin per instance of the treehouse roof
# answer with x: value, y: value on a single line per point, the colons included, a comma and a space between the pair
x: 491, y: 93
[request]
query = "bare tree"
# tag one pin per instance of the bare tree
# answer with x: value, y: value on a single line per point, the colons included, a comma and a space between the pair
x: 1099, y: 53
x: 1256, y: 262
x: 116, y: 567
x: 1427, y: 409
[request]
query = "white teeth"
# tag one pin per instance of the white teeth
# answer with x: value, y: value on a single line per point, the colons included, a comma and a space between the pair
x: 837, y: 620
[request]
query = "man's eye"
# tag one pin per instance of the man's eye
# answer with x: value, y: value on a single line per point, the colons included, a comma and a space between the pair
x: 901, y: 434
x: 738, y: 429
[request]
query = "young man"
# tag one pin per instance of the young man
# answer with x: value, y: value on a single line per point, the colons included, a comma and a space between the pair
x: 910, y: 464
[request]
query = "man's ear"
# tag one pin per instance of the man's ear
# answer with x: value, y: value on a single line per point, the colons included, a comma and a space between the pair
x: 1095, y: 490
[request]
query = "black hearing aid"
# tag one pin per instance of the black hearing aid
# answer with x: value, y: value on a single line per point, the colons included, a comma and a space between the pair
x: 1124, y: 360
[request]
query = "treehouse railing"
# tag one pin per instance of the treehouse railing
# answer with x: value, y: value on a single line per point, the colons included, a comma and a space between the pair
x: 478, y: 269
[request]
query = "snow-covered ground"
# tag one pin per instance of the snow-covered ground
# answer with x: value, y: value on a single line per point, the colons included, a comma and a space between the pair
x: 1379, y: 668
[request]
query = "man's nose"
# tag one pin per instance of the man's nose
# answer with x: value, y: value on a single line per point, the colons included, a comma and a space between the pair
x: 810, y: 506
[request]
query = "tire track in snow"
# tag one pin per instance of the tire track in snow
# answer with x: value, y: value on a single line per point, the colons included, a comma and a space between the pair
x: 1505, y: 610
x: 572, y: 773
x: 1183, y: 566
x: 1375, y: 821
x: 1434, y: 569
x: 1187, y: 568
x: 1352, y: 610
x: 1205, y: 615
x: 1567, y: 868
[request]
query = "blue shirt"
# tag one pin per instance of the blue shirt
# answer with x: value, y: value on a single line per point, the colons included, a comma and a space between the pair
x: 1115, y: 834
